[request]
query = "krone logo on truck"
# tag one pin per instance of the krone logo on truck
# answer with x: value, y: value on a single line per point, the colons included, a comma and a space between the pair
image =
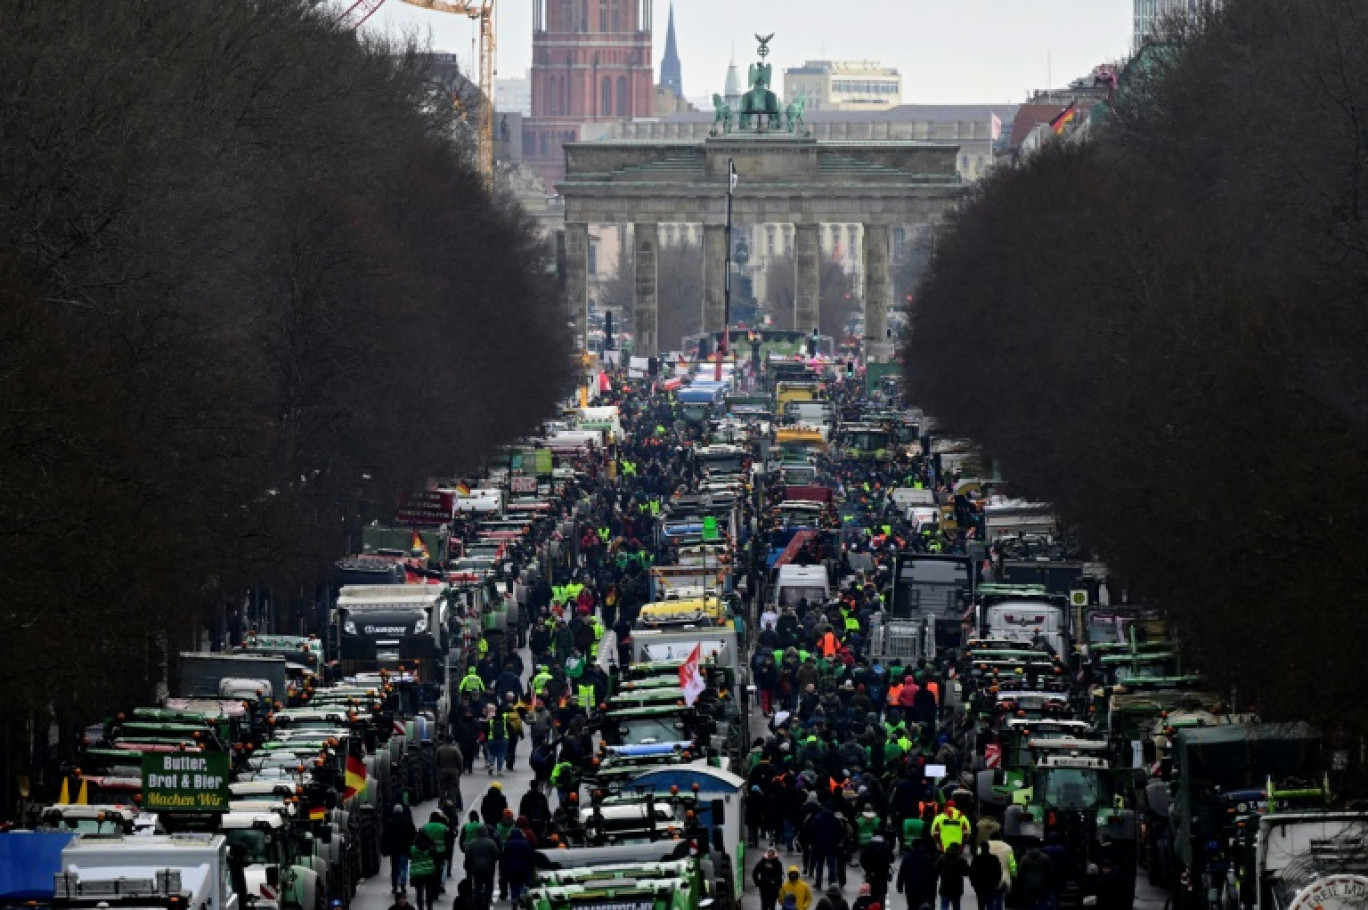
x: 185, y: 782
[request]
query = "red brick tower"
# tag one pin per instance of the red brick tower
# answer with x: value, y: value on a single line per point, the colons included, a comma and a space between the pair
x: 591, y: 63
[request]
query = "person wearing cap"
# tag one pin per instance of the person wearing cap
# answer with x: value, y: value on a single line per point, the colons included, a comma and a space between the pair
x: 493, y: 805
x: 395, y: 842
x: 768, y: 876
x: 795, y: 889
x: 949, y: 827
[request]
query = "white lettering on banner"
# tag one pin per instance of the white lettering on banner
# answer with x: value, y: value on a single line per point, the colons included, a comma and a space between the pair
x: 385, y: 630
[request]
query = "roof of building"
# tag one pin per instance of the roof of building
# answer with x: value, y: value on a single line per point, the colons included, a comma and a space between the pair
x: 1028, y: 117
x: 932, y: 113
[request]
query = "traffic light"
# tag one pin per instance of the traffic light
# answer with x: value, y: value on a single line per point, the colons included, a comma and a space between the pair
x: 607, y: 330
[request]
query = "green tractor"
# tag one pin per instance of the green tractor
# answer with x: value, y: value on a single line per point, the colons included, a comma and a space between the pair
x: 1077, y: 804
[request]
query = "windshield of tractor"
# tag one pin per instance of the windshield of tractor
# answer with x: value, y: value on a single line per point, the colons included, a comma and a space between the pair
x: 868, y: 440
x: 256, y: 843
x: 646, y: 730
x: 1070, y: 788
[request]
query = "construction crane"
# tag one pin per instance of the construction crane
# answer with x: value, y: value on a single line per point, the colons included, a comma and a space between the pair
x: 483, y: 12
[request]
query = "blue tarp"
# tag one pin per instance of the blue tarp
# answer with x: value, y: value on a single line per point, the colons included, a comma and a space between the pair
x: 28, y: 861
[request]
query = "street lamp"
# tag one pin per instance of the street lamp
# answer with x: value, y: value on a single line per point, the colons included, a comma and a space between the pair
x: 725, y: 347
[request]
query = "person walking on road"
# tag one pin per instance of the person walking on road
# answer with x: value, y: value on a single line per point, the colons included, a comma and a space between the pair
x: 950, y: 827
x: 395, y: 842
x: 424, y: 871
x: 917, y: 875
x: 985, y: 875
x: 481, y: 862
x: 516, y: 864
x: 768, y: 876
x: 795, y: 890
x: 450, y: 764
x: 1036, y: 875
x: 493, y: 805
x: 951, y: 870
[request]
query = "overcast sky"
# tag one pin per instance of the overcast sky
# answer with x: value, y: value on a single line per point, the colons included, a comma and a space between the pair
x: 949, y: 51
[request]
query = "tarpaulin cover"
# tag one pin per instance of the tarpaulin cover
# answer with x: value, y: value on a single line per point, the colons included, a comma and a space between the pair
x: 28, y: 861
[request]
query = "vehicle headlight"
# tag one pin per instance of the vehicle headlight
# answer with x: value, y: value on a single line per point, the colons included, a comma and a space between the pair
x: 349, y: 627
x: 420, y: 626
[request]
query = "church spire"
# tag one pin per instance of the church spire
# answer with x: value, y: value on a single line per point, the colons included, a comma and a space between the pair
x: 671, y: 75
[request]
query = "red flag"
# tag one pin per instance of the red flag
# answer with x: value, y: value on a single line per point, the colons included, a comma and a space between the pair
x: 690, y: 680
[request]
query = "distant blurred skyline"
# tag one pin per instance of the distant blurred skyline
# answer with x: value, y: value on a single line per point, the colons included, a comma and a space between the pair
x: 948, y: 51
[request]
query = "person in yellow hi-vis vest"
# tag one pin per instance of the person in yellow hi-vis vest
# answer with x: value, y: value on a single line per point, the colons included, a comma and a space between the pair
x: 949, y: 827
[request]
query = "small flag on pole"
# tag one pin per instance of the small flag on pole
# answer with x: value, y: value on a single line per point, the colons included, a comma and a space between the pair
x: 462, y: 488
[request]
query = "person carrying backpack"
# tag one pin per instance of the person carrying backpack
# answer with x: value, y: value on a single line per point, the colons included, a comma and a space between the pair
x: 424, y: 870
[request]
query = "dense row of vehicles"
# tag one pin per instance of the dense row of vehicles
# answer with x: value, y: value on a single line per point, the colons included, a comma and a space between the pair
x: 1088, y: 731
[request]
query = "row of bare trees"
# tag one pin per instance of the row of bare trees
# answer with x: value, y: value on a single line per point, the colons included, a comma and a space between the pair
x: 1163, y: 331
x: 247, y: 270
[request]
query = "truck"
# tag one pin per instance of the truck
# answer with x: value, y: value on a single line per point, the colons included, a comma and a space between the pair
x: 1221, y: 779
x: 385, y: 624
x: 932, y: 593
x: 1309, y: 861
x: 1028, y: 614
x: 241, y: 676
x: 171, y: 871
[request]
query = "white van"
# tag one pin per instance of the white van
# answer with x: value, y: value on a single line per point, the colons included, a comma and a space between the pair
x: 801, y: 583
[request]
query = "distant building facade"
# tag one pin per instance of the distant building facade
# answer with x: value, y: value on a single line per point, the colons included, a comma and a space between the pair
x: 591, y: 64
x: 844, y: 85
x: 513, y: 96
x: 1149, y: 14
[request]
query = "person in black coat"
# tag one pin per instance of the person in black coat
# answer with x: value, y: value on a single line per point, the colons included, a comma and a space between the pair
x: 535, y: 806
x: 493, y: 805
x: 951, y: 870
x: 876, y: 859
x: 768, y: 876
x: 516, y: 863
x: 917, y: 875
x: 395, y: 842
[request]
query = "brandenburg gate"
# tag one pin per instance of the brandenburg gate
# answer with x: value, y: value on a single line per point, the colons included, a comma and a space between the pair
x: 783, y: 176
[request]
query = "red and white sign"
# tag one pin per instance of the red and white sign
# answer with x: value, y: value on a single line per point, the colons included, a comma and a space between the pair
x: 992, y: 756
x: 522, y: 484
x: 690, y: 680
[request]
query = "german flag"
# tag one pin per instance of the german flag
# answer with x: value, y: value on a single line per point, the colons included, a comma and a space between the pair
x: 462, y: 489
x: 316, y: 813
x: 1064, y: 118
x: 417, y: 546
x: 356, y: 777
